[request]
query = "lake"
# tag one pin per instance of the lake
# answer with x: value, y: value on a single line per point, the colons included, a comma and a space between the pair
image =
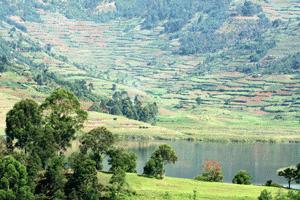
x: 260, y: 160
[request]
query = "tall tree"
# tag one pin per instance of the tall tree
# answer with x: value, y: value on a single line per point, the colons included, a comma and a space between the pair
x: 83, y: 182
x: 23, y: 125
x: 3, y: 63
x: 51, y: 185
x: 97, y: 142
x: 289, y: 173
x: 64, y: 116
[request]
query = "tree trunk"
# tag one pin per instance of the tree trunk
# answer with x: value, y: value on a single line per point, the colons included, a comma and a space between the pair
x: 289, y: 184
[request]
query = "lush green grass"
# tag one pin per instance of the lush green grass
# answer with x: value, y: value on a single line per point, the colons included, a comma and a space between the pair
x: 182, y: 189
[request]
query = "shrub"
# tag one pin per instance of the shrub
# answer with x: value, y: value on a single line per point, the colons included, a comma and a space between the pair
x: 242, y: 177
x: 265, y: 195
x: 212, y: 172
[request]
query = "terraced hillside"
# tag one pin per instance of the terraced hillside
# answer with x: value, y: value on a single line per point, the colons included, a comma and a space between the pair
x: 220, y: 95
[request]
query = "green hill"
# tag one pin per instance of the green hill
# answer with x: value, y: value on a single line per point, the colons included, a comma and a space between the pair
x: 219, y: 70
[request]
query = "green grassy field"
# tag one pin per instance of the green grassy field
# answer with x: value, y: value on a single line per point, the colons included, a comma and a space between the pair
x: 183, y: 189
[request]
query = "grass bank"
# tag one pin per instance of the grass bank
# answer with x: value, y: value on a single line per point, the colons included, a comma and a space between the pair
x: 183, y: 189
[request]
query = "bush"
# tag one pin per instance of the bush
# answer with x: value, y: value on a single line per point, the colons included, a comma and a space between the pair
x: 292, y: 195
x: 265, y: 195
x: 271, y: 184
x: 242, y: 178
x: 212, y: 172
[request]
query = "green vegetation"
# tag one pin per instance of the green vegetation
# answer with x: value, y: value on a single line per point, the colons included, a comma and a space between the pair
x: 159, y: 158
x: 242, y: 177
x: 121, y: 104
x: 34, y: 159
x: 291, y: 174
x: 183, y: 189
x: 14, y: 180
x: 33, y: 165
x: 238, y: 59
x: 265, y: 195
x: 212, y: 172
x: 97, y: 144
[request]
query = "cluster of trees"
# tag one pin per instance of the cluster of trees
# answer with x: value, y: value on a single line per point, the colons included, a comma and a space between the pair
x: 121, y: 104
x: 33, y: 165
x: 24, y: 9
x: 287, y: 64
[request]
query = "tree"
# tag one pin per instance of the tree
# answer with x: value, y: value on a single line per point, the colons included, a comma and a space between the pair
x: 51, y: 185
x: 3, y: 149
x: 122, y: 159
x: 3, y: 63
x: 23, y: 125
x: 153, y: 167
x: 13, y: 180
x: 242, y: 178
x: 64, y: 116
x: 298, y: 173
x: 159, y: 158
x: 97, y: 142
x: 83, y: 182
x: 128, y: 109
x: 265, y: 195
x: 250, y: 9
x: 117, y: 182
x: 199, y: 100
x: 290, y: 173
x: 139, y: 108
x: 212, y: 172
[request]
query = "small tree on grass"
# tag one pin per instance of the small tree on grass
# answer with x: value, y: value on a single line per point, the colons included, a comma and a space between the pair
x: 242, y: 178
x: 212, y: 172
x: 290, y: 173
x: 162, y: 156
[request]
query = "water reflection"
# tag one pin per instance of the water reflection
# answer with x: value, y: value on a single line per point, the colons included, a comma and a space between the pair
x: 260, y: 160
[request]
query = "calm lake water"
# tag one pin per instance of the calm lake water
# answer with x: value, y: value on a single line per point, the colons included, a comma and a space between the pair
x: 260, y: 160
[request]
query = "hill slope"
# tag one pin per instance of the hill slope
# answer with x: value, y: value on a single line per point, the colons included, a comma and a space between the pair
x: 219, y: 70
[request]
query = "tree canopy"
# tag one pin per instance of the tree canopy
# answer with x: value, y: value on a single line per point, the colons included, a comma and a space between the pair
x: 159, y: 158
x: 63, y: 115
x: 97, y: 143
x: 14, y: 180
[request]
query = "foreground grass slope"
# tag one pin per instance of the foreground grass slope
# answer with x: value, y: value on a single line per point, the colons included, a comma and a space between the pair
x: 183, y: 189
